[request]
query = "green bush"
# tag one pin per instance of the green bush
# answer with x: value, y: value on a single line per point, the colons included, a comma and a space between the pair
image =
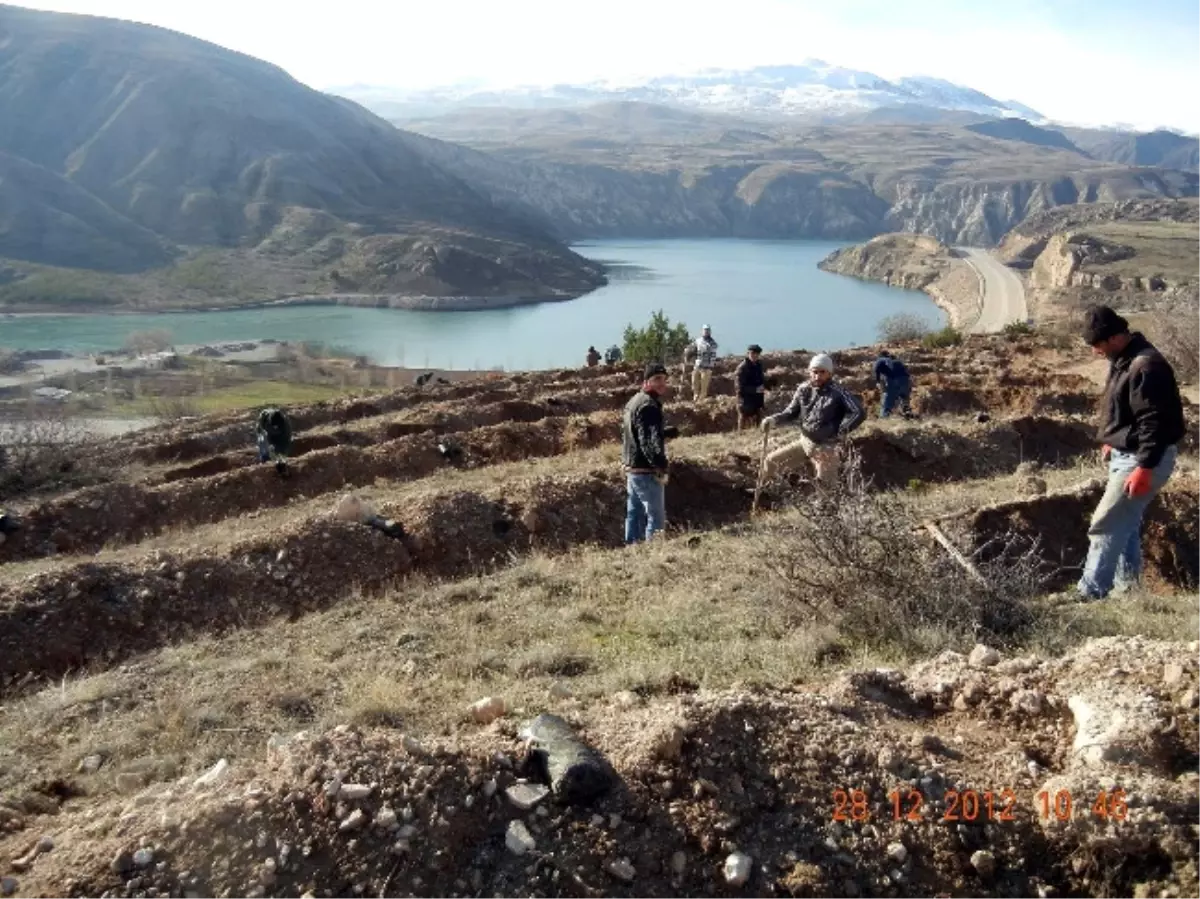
x: 659, y: 341
x: 939, y: 339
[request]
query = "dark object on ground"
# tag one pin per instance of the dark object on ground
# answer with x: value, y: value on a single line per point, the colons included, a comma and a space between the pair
x: 393, y: 529
x: 982, y: 417
x: 670, y: 432
x: 424, y: 379
x: 9, y: 524
x: 770, y: 383
x: 553, y: 401
x: 449, y: 451
x: 577, y: 774
x: 281, y: 468
x: 911, y: 416
x: 442, y: 380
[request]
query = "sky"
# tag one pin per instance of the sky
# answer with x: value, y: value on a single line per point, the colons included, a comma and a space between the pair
x: 1133, y: 62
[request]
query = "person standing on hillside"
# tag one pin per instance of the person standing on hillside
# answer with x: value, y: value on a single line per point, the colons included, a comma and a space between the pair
x: 751, y: 387
x: 706, y: 360
x: 612, y: 355
x: 274, y: 436
x: 1141, y: 423
x: 644, y: 457
x: 892, y: 375
x: 593, y: 357
x: 827, y: 412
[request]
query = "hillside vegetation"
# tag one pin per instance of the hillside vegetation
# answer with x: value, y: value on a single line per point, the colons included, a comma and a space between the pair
x: 250, y: 690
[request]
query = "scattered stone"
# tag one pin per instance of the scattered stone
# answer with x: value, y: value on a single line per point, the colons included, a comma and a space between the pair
x: 559, y: 690
x: 143, y: 858
x: 90, y: 764
x: 897, y: 852
x: 45, y: 844
x: 577, y: 772
x: 489, y: 789
x: 1190, y: 699
x: 129, y: 782
x: 668, y: 743
x: 352, y: 821
x: 525, y: 796
x: 354, y: 792
x: 984, y: 863
x: 622, y: 869
x: 1031, y: 702
x: 386, y: 818
x: 518, y: 839
x: 678, y: 862
x: 8, y: 886
x: 983, y: 657
x: 213, y: 775
x: 122, y: 864
x: 737, y: 869
x: 626, y: 699
x: 1172, y: 673
x: 488, y: 709
x: 1118, y: 726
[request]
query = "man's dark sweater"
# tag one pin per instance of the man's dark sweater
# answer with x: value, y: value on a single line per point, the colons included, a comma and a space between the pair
x: 1141, y: 412
x: 643, y: 445
x: 749, y: 378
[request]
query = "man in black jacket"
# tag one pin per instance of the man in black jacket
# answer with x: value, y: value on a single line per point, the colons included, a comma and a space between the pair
x: 644, y: 457
x: 1141, y: 421
x: 751, y: 389
x: 826, y: 411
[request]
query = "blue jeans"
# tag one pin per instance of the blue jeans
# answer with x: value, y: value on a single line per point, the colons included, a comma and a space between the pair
x: 264, y: 448
x: 646, y: 508
x: 1114, y: 559
x: 896, y: 392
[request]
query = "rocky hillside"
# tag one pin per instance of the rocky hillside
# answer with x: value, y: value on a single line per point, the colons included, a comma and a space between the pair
x: 255, y: 688
x: 913, y: 262
x: 1161, y: 148
x: 617, y: 170
x: 135, y: 141
x: 1136, y: 255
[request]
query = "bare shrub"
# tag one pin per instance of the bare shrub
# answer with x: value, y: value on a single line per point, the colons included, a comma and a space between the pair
x: 45, y: 448
x: 173, y: 407
x: 900, y: 327
x: 859, y: 560
x: 153, y: 341
x: 1177, y: 334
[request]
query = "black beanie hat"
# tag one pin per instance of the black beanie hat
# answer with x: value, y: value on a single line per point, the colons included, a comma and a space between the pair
x: 1101, y: 323
x: 652, y: 369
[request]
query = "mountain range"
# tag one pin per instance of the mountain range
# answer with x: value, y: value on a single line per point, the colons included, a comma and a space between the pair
x: 812, y: 89
x: 219, y: 179
x: 124, y: 146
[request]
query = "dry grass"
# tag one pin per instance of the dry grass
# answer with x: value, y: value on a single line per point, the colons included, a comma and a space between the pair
x: 590, y: 622
x: 1166, y: 249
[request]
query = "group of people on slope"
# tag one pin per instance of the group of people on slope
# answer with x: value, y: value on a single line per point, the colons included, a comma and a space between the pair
x: 1141, y: 426
x: 611, y: 356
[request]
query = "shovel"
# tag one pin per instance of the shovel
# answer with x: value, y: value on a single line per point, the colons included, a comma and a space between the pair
x: 762, y: 472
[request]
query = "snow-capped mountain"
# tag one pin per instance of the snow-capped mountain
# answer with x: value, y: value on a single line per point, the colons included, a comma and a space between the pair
x: 812, y: 87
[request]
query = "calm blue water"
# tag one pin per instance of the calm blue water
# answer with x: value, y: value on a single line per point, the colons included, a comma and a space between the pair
x: 750, y: 291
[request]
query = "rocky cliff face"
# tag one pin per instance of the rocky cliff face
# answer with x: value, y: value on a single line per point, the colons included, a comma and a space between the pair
x: 913, y: 262
x: 803, y: 195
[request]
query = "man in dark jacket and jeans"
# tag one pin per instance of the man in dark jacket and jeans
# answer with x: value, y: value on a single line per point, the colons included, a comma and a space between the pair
x: 893, y: 375
x: 644, y: 457
x: 751, y: 387
x: 1141, y: 423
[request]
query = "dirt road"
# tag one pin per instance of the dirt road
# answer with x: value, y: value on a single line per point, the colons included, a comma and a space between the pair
x: 1003, y: 292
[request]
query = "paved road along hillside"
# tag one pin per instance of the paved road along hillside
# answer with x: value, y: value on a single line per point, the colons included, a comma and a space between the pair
x: 1003, y: 292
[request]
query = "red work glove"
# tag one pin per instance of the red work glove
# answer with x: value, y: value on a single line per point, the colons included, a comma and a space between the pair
x: 1138, y: 483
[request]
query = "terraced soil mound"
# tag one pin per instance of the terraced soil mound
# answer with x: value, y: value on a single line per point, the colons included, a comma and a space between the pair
x: 965, y: 775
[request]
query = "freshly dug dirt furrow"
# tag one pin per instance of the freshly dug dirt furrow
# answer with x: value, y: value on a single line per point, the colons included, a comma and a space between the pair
x: 215, y: 434
x: 1059, y: 523
x: 93, y: 614
x: 92, y: 518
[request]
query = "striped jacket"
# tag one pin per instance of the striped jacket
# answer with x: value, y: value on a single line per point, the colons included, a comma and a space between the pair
x: 825, y: 413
